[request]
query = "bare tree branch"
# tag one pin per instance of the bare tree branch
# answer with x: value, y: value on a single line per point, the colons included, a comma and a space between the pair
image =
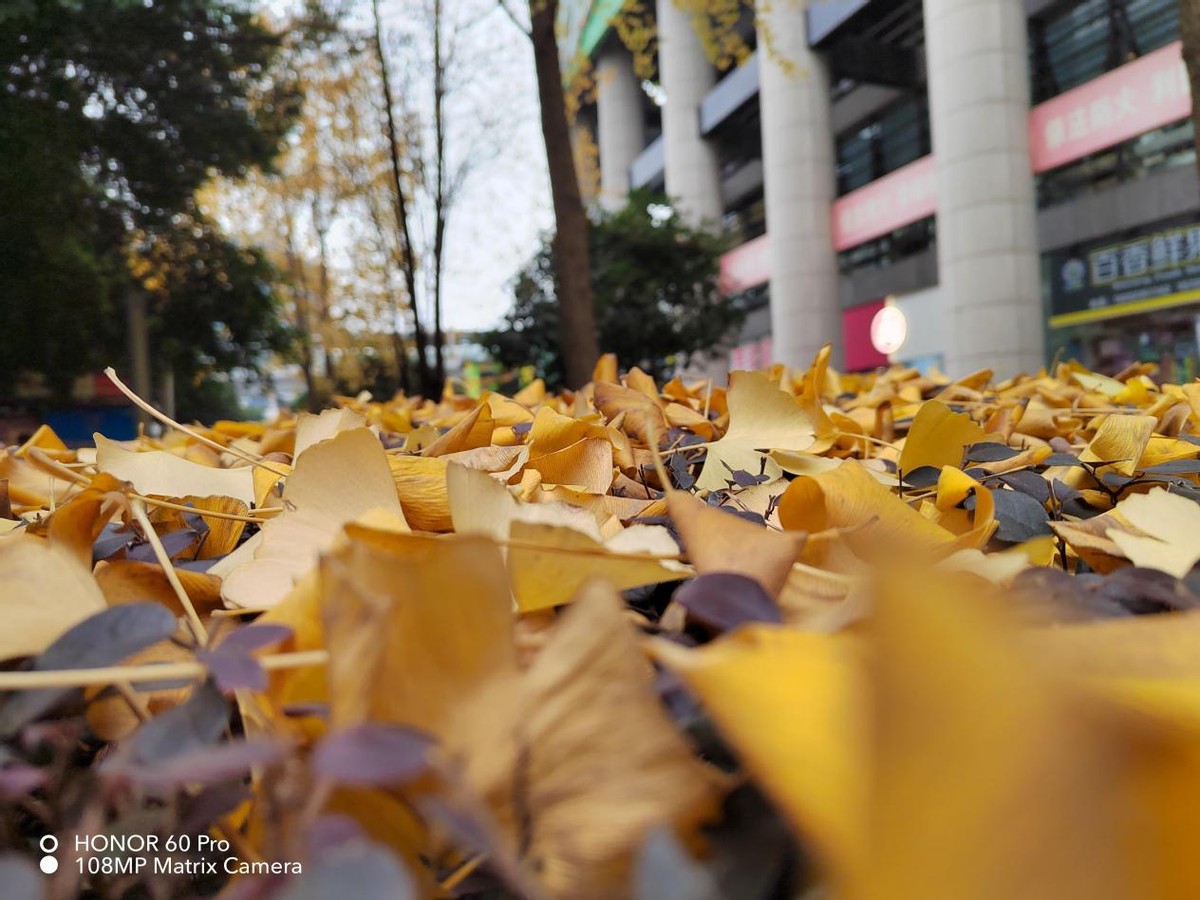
x: 512, y: 15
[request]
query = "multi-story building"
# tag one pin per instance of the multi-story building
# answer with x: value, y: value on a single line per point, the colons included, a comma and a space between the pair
x: 1016, y: 177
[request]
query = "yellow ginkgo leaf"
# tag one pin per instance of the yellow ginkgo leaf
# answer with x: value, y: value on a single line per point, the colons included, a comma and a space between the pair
x: 938, y: 436
x: 761, y: 417
x: 421, y: 487
x: 46, y: 591
x: 164, y: 474
x: 548, y: 564
x: 1121, y: 441
x: 963, y: 712
x: 794, y: 706
x: 312, y: 429
x: 717, y: 541
x: 851, y: 498
x: 334, y: 482
x: 1170, y: 524
x: 414, y: 625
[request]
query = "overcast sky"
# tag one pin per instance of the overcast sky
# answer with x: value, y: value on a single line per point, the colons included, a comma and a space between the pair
x: 494, y: 227
x: 506, y: 204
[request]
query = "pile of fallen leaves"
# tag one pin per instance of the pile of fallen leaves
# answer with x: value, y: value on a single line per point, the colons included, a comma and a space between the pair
x: 886, y: 636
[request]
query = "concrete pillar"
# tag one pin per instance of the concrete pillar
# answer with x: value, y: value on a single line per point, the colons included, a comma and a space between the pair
x: 800, y: 175
x: 692, y: 171
x: 622, y: 128
x: 986, y: 221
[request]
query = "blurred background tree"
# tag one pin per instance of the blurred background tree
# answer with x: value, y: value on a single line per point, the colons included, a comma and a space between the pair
x: 112, y: 115
x: 655, y: 283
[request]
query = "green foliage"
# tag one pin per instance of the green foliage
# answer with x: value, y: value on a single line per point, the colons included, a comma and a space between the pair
x: 655, y: 283
x: 207, y: 398
x: 112, y: 115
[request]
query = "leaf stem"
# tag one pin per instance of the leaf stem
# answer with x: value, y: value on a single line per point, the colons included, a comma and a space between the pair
x: 197, y: 626
x: 23, y: 681
x: 167, y: 420
x: 208, y: 513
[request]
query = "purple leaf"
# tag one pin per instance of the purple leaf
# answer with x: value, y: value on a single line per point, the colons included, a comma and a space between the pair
x: 331, y: 831
x: 989, y: 451
x: 363, y: 870
x: 174, y: 542
x: 19, y: 779
x: 196, y: 723
x: 253, y: 637
x: 234, y: 671
x: 373, y: 754
x: 213, y: 802
x: 720, y: 601
x: 112, y: 538
x: 100, y: 640
x: 20, y: 879
x: 198, y: 565
x: 208, y: 765
x: 665, y: 871
x: 305, y: 710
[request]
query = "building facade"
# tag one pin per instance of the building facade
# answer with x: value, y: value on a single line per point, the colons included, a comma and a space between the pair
x: 1016, y: 177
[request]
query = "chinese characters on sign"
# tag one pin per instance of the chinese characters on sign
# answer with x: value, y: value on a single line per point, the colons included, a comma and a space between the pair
x: 1104, y: 274
x: 1138, y: 97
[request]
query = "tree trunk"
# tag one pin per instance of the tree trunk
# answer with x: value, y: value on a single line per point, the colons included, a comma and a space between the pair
x: 409, y: 259
x: 1189, y: 26
x: 439, y: 195
x: 572, y: 267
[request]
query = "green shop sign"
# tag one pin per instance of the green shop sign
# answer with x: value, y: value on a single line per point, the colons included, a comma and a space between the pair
x: 581, y: 25
x: 1125, y: 274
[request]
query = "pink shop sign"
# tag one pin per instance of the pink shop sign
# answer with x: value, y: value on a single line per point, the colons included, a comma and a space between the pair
x: 746, y: 266
x: 907, y: 195
x: 1138, y: 97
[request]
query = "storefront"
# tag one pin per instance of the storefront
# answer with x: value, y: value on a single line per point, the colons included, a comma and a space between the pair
x: 1130, y: 297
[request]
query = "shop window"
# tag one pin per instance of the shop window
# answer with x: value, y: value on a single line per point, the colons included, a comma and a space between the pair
x: 887, y: 141
x: 1078, y: 41
x: 890, y: 248
x: 1155, y: 151
x: 747, y: 221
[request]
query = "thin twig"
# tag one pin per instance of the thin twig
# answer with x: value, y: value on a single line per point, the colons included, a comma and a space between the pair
x: 512, y: 15
x: 23, y: 681
x: 125, y: 689
x: 210, y: 513
x: 164, y: 559
x: 455, y: 878
x: 600, y: 552
x: 167, y: 420
x: 659, y: 468
x: 43, y: 461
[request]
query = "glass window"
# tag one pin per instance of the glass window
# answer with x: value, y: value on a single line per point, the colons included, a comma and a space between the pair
x: 906, y: 241
x: 748, y: 220
x: 883, y: 143
x: 1078, y: 41
x: 1155, y: 151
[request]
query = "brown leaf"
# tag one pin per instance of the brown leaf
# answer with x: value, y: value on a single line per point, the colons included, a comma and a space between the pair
x: 576, y: 758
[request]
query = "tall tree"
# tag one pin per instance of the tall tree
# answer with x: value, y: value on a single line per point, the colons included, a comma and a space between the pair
x: 334, y: 177
x: 401, y: 206
x: 656, y: 290
x: 112, y: 114
x: 576, y: 316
